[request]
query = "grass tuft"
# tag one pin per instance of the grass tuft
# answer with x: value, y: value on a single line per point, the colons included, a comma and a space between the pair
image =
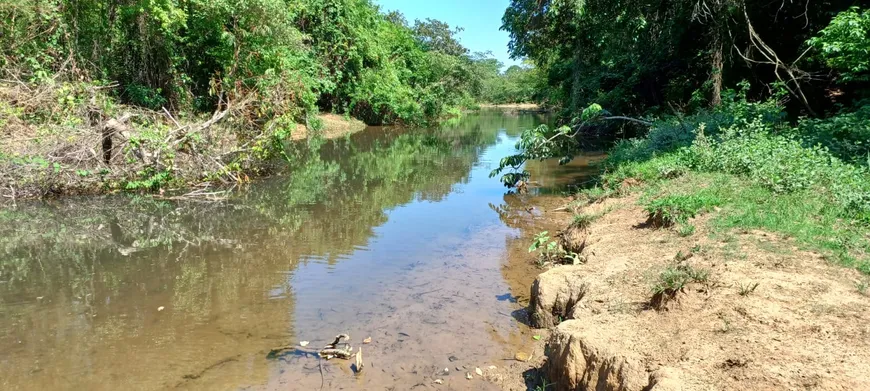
x: 747, y: 289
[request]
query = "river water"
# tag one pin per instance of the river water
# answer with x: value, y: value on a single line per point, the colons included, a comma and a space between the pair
x: 392, y: 234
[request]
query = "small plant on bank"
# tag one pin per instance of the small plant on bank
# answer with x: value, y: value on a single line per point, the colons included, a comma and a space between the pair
x: 544, y: 386
x: 673, y: 280
x: 678, y: 209
x: 685, y: 230
x: 747, y: 289
x: 863, y: 287
x: 726, y: 324
x: 584, y: 220
x: 551, y: 253
x: 595, y: 194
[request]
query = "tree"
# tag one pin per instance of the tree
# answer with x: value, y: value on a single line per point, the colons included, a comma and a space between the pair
x: 638, y: 55
x: 436, y: 35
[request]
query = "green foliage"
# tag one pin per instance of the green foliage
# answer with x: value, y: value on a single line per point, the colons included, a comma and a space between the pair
x: 845, y: 135
x: 146, y: 97
x: 435, y: 35
x: 674, y: 278
x: 550, y: 252
x: 291, y: 57
x: 150, y: 180
x: 595, y: 194
x: 637, y: 56
x: 541, y: 239
x: 545, y: 142
x: 673, y: 209
x: 584, y: 220
x: 686, y: 230
x: 844, y: 45
x: 518, y: 84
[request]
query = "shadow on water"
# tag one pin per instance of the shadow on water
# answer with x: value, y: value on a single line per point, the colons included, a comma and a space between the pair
x: 386, y: 233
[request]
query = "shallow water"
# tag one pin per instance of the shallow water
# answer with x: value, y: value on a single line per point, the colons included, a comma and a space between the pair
x: 396, y: 235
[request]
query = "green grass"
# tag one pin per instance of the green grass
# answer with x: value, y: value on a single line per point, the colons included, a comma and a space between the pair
x: 812, y: 220
x: 674, y: 278
x: 670, y: 209
x: 757, y: 173
x: 686, y: 230
x: 584, y: 220
x: 594, y: 194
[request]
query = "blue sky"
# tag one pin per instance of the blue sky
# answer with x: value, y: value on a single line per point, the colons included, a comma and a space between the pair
x: 481, y: 20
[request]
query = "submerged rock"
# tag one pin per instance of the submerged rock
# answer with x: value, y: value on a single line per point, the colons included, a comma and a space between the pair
x: 555, y: 294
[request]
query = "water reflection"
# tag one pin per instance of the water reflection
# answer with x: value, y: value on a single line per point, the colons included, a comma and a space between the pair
x: 386, y: 232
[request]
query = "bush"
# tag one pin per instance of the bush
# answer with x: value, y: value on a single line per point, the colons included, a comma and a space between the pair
x: 845, y: 135
x: 674, y: 278
x: 673, y: 209
x: 783, y: 164
x: 753, y: 142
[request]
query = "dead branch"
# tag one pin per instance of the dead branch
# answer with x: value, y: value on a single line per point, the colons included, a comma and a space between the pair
x: 794, y: 74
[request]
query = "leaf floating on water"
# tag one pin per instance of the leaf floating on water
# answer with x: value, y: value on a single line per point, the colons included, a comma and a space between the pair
x: 160, y: 308
x: 520, y: 356
x: 537, y: 338
x: 468, y: 376
x: 367, y: 340
x: 303, y: 343
x: 478, y: 371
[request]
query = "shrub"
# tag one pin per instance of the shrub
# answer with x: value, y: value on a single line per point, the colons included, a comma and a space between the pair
x: 672, y: 280
x: 673, y: 209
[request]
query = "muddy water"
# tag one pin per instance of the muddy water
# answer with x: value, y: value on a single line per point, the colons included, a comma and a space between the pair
x: 395, y: 235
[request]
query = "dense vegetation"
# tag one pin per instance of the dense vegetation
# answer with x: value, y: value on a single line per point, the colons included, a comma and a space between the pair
x: 757, y: 109
x: 294, y: 56
x: 142, y: 94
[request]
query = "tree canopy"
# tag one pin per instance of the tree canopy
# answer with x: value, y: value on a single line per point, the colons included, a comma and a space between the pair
x: 633, y: 56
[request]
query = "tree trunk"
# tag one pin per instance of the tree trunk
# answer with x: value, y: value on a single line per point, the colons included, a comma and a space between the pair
x: 718, y: 27
x: 716, y: 74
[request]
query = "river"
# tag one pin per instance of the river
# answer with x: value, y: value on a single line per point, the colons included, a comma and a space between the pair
x: 392, y: 234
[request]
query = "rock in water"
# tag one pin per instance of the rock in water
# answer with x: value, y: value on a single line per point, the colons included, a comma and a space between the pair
x: 554, y: 295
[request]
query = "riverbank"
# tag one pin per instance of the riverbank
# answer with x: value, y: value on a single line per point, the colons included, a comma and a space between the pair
x: 664, y: 307
x: 90, y: 144
x: 517, y: 107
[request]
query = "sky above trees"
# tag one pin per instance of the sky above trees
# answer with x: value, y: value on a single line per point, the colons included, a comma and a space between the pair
x: 480, y: 19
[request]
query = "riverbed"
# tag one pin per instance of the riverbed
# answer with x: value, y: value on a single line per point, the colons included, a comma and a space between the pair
x: 394, y: 234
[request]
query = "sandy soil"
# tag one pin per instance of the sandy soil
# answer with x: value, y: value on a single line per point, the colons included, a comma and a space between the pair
x: 803, y: 326
x: 334, y: 126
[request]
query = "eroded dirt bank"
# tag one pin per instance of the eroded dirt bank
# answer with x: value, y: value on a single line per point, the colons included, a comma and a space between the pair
x: 758, y: 312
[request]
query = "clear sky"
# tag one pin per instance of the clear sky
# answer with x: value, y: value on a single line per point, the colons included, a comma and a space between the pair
x: 481, y: 20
